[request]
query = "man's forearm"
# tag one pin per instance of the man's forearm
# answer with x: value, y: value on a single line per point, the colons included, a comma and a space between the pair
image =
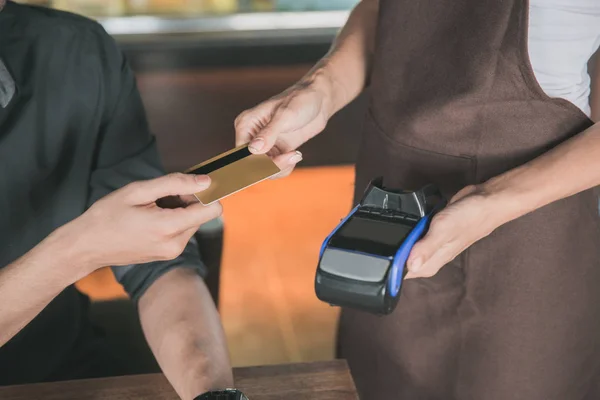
x: 31, y: 282
x: 570, y: 168
x: 345, y: 69
x: 184, y: 331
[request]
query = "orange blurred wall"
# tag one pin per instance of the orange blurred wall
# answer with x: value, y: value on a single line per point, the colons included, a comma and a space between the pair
x: 273, y: 232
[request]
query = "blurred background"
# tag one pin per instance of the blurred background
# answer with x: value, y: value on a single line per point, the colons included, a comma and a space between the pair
x: 199, y: 63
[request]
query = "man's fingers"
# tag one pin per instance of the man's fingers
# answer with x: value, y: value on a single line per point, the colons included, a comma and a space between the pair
x: 201, y: 214
x: 174, y: 245
x: 186, y: 235
x: 191, y: 217
x: 147, y: 192
x: 188, y: 199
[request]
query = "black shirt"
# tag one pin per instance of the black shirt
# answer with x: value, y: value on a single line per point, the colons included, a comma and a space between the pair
x: 73, y: 131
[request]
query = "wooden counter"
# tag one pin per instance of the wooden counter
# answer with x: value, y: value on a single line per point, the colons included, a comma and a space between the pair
x: 310, y: 381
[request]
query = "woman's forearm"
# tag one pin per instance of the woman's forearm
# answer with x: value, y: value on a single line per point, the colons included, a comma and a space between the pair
x: 184, y: 331
x: 345, y: 69
x: 570, y: 168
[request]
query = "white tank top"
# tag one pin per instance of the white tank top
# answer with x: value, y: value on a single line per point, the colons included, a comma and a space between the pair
x: 563, y: 36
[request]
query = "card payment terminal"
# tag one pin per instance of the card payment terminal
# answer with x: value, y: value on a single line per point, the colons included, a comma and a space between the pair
x: 362, y: 262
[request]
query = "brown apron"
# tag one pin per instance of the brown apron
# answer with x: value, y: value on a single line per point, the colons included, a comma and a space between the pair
x: 454, y: 101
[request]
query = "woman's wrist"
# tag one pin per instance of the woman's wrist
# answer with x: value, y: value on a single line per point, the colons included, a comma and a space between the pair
x: 508, y: 198
x: 323, y: 80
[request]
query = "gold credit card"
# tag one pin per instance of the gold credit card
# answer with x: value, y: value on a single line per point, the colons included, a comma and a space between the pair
x: 233, y: 171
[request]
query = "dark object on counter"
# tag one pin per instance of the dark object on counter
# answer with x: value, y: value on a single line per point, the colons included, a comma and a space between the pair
x: 227, y: 394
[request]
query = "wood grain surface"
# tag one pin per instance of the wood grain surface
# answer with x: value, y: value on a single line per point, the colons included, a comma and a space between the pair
x: 329, y: 380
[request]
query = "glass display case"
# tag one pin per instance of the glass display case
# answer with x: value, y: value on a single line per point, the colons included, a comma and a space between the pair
x: 189, y: 8
x: 160, y: 20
